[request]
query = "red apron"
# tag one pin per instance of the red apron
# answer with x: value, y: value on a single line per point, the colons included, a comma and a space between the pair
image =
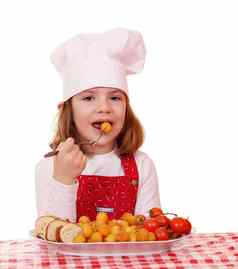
x: 111, y: 194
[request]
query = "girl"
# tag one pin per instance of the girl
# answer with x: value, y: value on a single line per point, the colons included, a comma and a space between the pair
x: 112, y: 176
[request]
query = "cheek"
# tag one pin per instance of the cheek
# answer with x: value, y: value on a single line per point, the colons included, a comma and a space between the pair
x: 77, y: 116
x: 80, y: 112
x: 80, y: 121
x: 121, y: 116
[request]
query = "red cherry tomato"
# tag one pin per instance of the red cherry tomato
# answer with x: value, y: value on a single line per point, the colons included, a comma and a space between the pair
x: 163, y: 220
x: 188, y: 226
x: 179, y: 225
x: 155, y: 211
x: 161, y: 234
x: 151, y: 224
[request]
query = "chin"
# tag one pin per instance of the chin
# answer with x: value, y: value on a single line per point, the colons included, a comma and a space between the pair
x: 103, y: 144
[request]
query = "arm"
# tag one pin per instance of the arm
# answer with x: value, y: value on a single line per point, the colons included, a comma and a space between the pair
x: 52, y: 196
x: 148, y: 191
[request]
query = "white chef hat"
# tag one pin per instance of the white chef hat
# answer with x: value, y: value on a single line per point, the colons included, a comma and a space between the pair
x: 99, y: 60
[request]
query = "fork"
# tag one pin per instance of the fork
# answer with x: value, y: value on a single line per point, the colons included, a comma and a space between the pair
x: 91, y: 143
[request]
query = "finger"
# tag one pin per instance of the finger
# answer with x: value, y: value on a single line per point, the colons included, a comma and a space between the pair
x: 80, y: 160
x: 84, y: 161
x: 74, y: 152
x: 67, y: 145
x: 59, y: 146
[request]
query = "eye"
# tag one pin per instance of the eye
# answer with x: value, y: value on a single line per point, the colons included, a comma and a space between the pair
x: 116, y: 98
x: 88, y: 98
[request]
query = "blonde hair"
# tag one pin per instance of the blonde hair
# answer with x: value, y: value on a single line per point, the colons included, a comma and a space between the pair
x: 129, y: 139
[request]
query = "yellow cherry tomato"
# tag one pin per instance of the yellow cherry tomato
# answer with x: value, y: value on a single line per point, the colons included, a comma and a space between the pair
x: 122, y: 236
x: 131, y: 229
x: 115, y: 229
x: 131, y: 219
x: 110, y: 238
x: 79, y: 238
x: 151, y: 236
x: 132, y: 236
x: 103, y: 229
x: 142, y: 235
x: 96, y: 237
x: 84, y: 219
x: 87, y: 229
x: 106, y: 127
x: 102, y: 217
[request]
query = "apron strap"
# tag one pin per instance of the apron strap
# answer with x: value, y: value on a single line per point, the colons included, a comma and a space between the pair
x: 129, y: 166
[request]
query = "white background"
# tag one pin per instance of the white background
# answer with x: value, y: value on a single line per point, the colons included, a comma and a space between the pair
x: 186, y: 98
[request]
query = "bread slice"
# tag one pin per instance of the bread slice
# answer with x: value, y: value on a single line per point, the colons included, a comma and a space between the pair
x: 52, y: 229
x: 68, y: 232
x: 41, y: 224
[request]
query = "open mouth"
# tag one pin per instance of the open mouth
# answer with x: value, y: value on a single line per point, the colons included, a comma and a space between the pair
x: 97, y: 124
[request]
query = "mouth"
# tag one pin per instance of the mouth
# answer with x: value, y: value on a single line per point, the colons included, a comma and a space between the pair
x: 97, y: 124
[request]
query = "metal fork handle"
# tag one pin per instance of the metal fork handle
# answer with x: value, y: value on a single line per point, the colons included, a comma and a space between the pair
x: 92, y: 143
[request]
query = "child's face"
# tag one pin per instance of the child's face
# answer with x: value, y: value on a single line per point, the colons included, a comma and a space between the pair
x: 96, y: 106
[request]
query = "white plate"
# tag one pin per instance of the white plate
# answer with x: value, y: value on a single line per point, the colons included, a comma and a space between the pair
x: 112, y: 248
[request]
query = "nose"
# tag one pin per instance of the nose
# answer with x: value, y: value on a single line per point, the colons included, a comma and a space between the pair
x: 103, y: 106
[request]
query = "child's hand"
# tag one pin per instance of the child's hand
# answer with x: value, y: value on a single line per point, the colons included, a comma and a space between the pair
x: 69, y: 162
